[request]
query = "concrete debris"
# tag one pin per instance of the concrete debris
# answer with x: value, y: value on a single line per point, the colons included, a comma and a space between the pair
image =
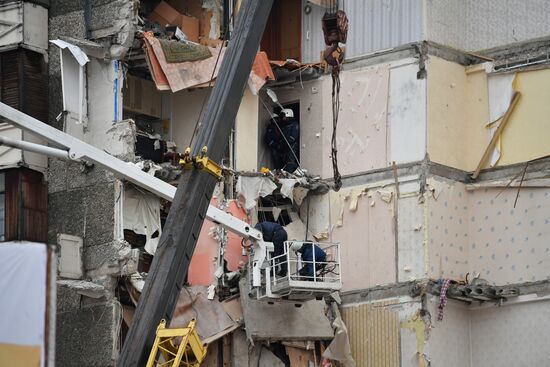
x: 385, y: 195
x: 476, y: 291
x: 299, y: 194
x: 137, y: 281
x: 322, y: 236
x: 211, y: 292
x: 336, y: 297
x: 84, y: 288
x: 214, y: 318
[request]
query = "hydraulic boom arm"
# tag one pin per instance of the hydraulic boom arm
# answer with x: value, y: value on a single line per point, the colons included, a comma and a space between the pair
x: 76, y: 150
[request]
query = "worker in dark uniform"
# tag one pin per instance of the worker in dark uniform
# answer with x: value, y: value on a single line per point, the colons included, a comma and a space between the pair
x: 291, y: 131
x: 282, y: 136
x: 275, y: 233
x: 309, y: 252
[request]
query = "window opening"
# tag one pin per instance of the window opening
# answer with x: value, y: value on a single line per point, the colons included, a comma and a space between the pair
x: 284, y: 140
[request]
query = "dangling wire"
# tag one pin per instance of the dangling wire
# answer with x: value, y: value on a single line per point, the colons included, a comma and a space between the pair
x: 334, y: 35
x: 335, y: 112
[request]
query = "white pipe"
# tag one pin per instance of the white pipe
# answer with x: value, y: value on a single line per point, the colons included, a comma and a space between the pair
x: 36, y: 148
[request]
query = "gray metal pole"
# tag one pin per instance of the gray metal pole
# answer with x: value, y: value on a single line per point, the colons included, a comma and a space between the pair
x: 181, y: 231
x: 36, y: 148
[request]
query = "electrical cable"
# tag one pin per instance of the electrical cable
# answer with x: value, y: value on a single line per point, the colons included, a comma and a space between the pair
x: 335, y: 112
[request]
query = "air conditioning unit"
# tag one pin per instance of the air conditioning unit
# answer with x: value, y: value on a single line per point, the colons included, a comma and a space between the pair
x: 23, y: 23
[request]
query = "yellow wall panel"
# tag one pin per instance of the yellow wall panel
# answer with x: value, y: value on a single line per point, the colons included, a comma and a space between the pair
x: 458, y: 110
x: 19, y: 355
x: 528, y: 131
x: 374, y: 334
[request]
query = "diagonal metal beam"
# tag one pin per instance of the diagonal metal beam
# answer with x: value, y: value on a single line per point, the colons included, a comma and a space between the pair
x: 179, y: 236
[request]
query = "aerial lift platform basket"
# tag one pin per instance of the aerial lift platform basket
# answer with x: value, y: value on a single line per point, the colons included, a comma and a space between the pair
x: 324, y: 279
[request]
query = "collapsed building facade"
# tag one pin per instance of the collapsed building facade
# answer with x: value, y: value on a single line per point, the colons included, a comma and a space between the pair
x: 441, y: 146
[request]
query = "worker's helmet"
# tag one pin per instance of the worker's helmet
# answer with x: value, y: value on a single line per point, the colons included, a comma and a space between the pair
x: 287, y: 112
x: 295, y: 246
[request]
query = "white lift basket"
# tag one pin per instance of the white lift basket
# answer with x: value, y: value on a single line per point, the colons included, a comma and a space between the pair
x: 304, y: 280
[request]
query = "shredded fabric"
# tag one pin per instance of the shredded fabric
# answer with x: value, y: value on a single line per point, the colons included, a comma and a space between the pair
x: 443, y: 298
x: 287, y: 186
x: 250, y: 188
x: 339, y: 349
x: 142, y: 215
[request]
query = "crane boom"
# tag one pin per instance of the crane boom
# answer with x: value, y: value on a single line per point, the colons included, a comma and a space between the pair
x: 191, y: 199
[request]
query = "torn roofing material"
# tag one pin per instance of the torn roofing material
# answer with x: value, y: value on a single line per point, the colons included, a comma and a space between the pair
x: 176, y: 76
x: 185, y: 74
x: 262, y: 67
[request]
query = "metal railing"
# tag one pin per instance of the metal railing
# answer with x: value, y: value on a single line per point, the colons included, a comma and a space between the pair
x: 318, y: 269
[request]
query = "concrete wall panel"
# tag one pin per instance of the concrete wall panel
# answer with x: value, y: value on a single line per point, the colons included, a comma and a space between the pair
x: 412, y: 251
x: 513, y: 335
x: 406, y: 115
x: 475, y: 25
x: 449, y: 340
x: 246, y: 133
x: 363, y: 225
x: 448, y: 218
x: 481, y: 231
x: 382, y: 119
x: 361, y: 134
x: 510, y: 245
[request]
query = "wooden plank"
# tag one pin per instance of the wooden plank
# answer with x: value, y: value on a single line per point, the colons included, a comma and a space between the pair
x: 495, y: 137
x: 299, y: 357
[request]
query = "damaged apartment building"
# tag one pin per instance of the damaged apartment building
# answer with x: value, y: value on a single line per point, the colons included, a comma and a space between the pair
x: 441, y: 136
